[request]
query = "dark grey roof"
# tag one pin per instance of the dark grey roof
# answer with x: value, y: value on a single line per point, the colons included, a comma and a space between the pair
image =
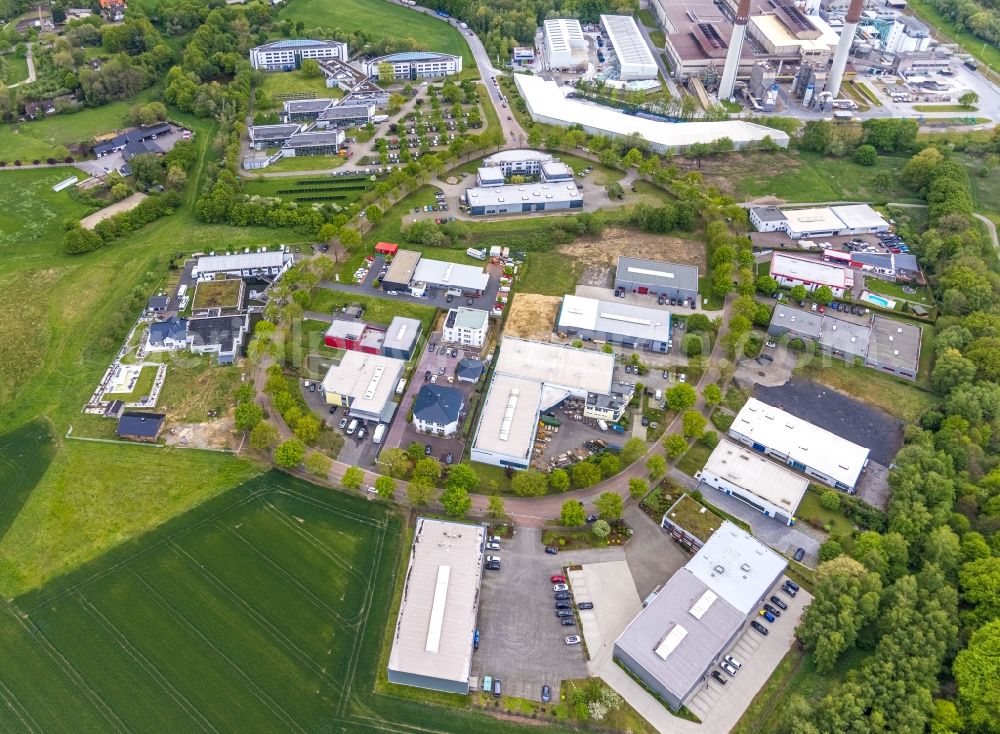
x: 143, y: 425
x: 172, y: 328
x: 802, y: 323
x: 221, y: 330
x: 876, y: 259
x: 158, y: 302
x: 768, y: 213
x: 115, y: 408
x: 137, y: 147
x: 437, y: 404
x: 905, y: 261
x: 470, y: 369
x: 141, y: 133
x: 657, y: 272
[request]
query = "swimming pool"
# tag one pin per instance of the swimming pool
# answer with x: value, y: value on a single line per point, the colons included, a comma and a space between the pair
x: 878, y: 300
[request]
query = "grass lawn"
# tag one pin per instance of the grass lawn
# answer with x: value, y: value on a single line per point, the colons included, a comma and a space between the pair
x: 946, y: 29
x: 658, y: 38
x: 895, y: 396
x: 810, y: 509
x: 147, y: 375
x: 217, y: 294
x: 944, y: 108
x: 646, y: 18
x: 549, y: 274
x: 278, y: 83
x: 196, y: 385
x: 380, y: 20
x: 377, y: 310
x: 895, y: 290
x: 308, y: 163
x: 290, y: 187
x: 37, y: 139
x: 986, y: 189
x: 32, y: 214
x: 809, y: 177
x: 15, y: 68
x: 694, y: 460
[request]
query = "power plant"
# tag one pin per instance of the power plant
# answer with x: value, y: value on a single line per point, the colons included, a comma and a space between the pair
x: 844, y: 47
x: 735, y: 50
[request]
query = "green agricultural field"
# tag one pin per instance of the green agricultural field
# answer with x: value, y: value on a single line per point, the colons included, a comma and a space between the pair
x: 38, y: 139
x: 263, y: 610
x: 380, y: 19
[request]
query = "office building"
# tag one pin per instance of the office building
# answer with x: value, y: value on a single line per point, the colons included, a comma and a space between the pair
x: 414, y: 65
x: 289, y: 54
x: 364, y: 384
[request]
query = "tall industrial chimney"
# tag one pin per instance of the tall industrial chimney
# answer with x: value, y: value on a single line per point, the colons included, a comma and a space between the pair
x: 844, y: 47
x: 735, y: 50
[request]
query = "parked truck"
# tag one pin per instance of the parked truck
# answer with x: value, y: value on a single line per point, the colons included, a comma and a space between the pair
x: 379, y: 433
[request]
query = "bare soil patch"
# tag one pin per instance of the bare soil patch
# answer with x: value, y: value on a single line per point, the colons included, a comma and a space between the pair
x: 605, y: 248
x: 216, y: 434
x: 532, y: 316
x: 109, y: 211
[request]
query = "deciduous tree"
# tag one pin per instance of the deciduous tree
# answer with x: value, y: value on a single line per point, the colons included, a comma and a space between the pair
x: 385, y: 486
x: 353, y: 478
x: 572, y: 514
x: 290, y: 453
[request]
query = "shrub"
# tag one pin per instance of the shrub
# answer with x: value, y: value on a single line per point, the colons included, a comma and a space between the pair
x: 830, y: 500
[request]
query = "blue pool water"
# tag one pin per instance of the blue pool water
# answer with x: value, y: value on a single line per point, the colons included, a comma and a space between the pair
x: 877, y: 300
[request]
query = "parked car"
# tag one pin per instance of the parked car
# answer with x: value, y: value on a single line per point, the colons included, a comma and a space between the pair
x: 493, y: 546
x: 567, y: 622
x: 560, y: 587
x: 585, y: 605
x: 733, y: 661
x: 800, y: 553
x: 427, y: 449
x: 789, y: 590
x: 719, y: 677
x: 773, y: 610
x: 493, y: 565
x: 475, y: 640
x: 343, y: 423
x: 449, y: 298
x: 551, y: 550
x: 731, y: 669
x: 427, y: 375
x: 496, y: 688
x: 759, y: 627
x: 546, y: 694
x: 563, y: 604
x: 766, y: 615
x: 770, y: 345
x: 572, y: 640
x: 591, y: 518
x: 560, y: 595
x: 564, y: 613
x: 791, y: 585
x: 558, y: 579
x: 778, y: 603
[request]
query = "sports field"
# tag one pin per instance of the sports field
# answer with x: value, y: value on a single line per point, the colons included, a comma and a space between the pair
x: 260, y: 611
x: 380, y: 19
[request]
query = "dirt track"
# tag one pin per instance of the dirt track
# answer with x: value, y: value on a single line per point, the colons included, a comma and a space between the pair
x: 109, y: 211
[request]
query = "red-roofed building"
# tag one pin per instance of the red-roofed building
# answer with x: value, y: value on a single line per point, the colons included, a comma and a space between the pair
x: 386, y: 248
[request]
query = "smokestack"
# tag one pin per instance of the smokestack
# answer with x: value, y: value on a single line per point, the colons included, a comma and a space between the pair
x: 844, y: 47
x: 735, y: 51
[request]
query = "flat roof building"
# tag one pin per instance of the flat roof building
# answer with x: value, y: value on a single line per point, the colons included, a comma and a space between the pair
x: 271, y: 264
x: 518, y: 161
x: 271, y: 136
x: 466, y: 326
x: 401, y: 338
x: 522, y: 198
x: 802, y: 445
x: 676, y: 640
x: 415, y: 65
x: 656, y: 278
x: 690, y: 523
x: 363, y: 383
x: 489, y: 176
x: 844, y: 339
x: 634, y: 57
x: 432, y: 642
x: 289, y: 54
x: 894, y: 347
x: 791, y: 270
x: 138, y: 426
x: 401, y: 270
x: 795, y: 322
x: 823, y: 221
x: 616, y: 322
x: 448, y: 275
x: 767, y: 487
x: 565, y: 45
x: 547, y: 103
x: 528, y: 378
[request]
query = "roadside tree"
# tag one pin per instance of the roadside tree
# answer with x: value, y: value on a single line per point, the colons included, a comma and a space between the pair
x: 385, y: 486
x: 353, y: 478
x: 610, y: 506
x: 290, y: 453
x: 572, y: 514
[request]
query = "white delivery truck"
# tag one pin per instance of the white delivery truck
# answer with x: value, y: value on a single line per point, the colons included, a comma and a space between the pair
x: 399, y: 388
x: 379, y: 432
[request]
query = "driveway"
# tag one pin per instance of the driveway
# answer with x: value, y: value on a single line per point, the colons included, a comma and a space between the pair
x: 520, y: 638
x: 783, y: 538
x: 651, y: 554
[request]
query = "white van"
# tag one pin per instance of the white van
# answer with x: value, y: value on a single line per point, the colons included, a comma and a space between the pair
x: 400, y: 387
x: 659, y: 395
x: 379, y: 432
x: 352, y: 426
x: 602, y: 424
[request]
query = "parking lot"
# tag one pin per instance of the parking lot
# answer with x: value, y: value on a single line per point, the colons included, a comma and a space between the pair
x: 520, y: 638
x: 357, y: 452
x: 436, y: 297
x: 101, y: 167
x: 720, y: 707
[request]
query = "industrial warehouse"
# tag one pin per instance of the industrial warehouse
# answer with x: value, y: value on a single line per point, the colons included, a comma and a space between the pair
x: 414, y: 274
x: 364, y: 384
x: 657, y: 278
x: 826, y: 221
x: 565, y: 45
x: 531, y: 377
x: 634, y: 57
x: 614, y: 322
x: 432, y: 642
x: 756, y: 481
x: 547, y: 103
x: 674, y: 642
x: 800, y: 444
x: 791, y: 270
x: 522, y: 198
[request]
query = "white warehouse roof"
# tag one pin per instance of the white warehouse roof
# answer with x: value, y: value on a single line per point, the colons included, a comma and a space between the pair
x: 817, y: 219
x: 547, y: 103
x: 801, y: 441
x: 563, y: 34
x: 614, y: 317
x: 758, y: 475
x: 554, y: 364
x: 437, y: 618
x: 248, y: 261
x: 368, y: 379
x: 450, y: 275
x: 811, y: 270
x: 859, y: 216
x: 636, y: 59
x: 509, y: 417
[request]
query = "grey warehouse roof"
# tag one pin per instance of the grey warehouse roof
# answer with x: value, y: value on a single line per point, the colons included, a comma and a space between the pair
x: 894, y: 343
x: 803, y: 323
x: 532, y: 193
x: 614, y: 317
x: 402, y: 333
x: 845, y: 336
x: 657, y: 272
